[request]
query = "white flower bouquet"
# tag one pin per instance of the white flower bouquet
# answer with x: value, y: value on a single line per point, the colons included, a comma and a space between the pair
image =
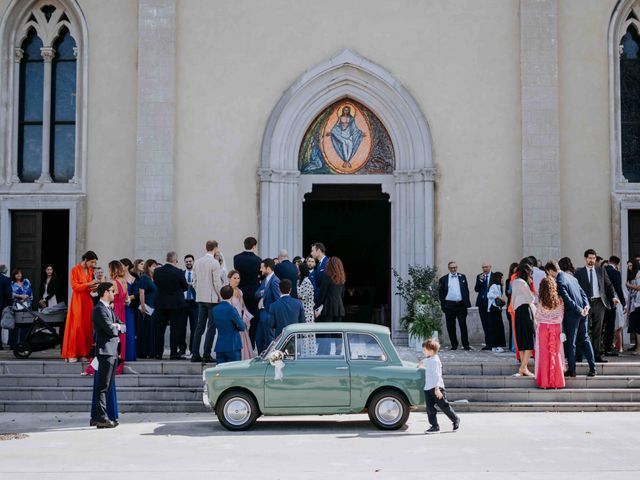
x: 276, y: 358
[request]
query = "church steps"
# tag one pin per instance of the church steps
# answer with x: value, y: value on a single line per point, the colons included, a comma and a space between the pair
x: 176, y: 386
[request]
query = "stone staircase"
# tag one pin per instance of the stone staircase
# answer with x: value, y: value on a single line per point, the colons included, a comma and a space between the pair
x: 151, y: 386
x: 491, y: 387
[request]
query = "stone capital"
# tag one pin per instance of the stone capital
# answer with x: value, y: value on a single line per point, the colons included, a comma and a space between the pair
x: 18, y: 54
x: 48, y: 53
x: 416, y: 176
x: 270, y: 175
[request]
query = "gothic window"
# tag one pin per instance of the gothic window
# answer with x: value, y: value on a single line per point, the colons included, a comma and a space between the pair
x: 630, y: 100
x: 46, y: 82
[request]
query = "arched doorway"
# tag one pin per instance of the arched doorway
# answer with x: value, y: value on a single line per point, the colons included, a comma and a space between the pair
x: 410, y: 186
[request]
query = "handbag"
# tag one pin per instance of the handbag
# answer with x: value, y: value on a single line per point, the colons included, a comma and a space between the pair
x: 498, y: 302
x: 8, y: 320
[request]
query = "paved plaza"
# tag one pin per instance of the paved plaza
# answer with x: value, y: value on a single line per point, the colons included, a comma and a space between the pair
x: 488, y: 445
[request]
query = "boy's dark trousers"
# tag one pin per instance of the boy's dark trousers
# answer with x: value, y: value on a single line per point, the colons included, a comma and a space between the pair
x: 432, y: 401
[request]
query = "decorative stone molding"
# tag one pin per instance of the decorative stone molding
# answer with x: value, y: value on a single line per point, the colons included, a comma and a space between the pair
x: 18, y: 18
x: 541, y: 228
x: 410, y: 188
x: 625, y: 195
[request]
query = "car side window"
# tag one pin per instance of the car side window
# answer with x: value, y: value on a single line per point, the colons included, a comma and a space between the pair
x: 328, y: 346
x: 363, y: 346
x: 290, y: 348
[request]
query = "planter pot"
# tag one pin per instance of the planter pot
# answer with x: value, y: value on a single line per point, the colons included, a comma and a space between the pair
x: 416, y: 342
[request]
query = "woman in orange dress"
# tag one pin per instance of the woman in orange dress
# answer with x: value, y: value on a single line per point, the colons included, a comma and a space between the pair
x: 78, y: 331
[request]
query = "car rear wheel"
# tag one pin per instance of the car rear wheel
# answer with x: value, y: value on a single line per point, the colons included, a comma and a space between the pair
x: 388, y: 410
x: 237, y: 411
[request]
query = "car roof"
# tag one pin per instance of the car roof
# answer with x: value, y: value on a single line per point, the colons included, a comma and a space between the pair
x: 337, y: 326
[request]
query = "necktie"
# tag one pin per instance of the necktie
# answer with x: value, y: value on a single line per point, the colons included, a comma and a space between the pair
x: 591, y: 282
x: 189, y: 293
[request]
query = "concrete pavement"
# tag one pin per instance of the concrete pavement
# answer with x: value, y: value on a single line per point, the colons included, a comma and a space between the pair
x: 159, y: 446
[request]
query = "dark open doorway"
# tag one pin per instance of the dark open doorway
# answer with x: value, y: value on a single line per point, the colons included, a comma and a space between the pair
x: 354, y: 223
x: 38, y: 238
x: 634, y: 233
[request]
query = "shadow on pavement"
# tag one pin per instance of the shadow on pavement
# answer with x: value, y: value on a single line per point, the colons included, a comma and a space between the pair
x: 341, y: 429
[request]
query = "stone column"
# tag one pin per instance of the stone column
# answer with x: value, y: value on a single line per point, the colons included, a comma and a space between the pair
x: 47, y: 54
x: 412, y: 227
x: 156, y: 128
x: 540, y: 130
x: 280, y: 212
x: 12, y: 164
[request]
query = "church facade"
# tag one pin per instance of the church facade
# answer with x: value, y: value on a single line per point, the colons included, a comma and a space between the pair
x: 397, y: 133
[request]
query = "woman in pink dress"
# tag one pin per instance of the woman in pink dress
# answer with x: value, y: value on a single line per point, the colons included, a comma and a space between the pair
x: 238, y: 302
x: 549, y: 349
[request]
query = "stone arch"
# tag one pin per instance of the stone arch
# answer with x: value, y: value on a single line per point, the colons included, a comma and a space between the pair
x: 17, y: 19
x: 410, y: 187
x: 625, y: 194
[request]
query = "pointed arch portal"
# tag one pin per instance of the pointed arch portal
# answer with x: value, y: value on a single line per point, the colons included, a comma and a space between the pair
x: 410, y: 187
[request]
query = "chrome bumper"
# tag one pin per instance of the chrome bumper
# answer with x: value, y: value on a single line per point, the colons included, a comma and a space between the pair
x: 205, y: 396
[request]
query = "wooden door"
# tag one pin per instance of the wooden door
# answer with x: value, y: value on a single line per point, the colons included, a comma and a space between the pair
x: 26, y: 246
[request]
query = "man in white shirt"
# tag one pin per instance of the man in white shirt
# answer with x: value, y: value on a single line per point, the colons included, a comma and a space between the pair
x: 453, y: 292
x: 596, y: 284
x: 536, y: 273
x: 191, y: 312
x: 207, y: 284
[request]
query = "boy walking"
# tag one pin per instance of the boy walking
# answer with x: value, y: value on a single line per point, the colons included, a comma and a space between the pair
x: 434, y: 392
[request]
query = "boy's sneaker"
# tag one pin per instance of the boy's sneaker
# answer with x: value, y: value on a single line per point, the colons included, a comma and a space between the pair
x: 456, y: 424
x: 435, y: 429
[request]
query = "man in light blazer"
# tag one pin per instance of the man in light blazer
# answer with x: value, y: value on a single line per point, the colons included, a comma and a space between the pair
x: 268, y: 293
x: 106, y: 328
x: 207, y: 284
x: 453, y: 291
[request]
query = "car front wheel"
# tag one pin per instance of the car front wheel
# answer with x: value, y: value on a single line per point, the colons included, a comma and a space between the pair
x: 237, y: 411
x: 388, y: 410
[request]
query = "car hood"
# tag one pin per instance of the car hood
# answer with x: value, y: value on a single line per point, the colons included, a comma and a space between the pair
x: 413, y: 365
x: 241, y: 365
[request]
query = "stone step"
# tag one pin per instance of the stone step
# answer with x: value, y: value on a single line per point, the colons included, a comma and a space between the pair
x: 539, y: 395
x: 75, y: 380
x: 57, y: 367
x: 508, y: 369
x: 168, y: 367
x: 545, y: 407
x: 497, y: 381
x: 124, y: 406
x: 197, y: 406
x: 84, y: 393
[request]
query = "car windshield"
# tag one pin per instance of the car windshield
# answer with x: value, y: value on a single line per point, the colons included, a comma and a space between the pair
x: 265, y: 354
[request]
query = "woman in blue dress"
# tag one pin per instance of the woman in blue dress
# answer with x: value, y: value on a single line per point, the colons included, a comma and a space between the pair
x: 22, y: 296
x: 130, y: 312
x: 147, y: 333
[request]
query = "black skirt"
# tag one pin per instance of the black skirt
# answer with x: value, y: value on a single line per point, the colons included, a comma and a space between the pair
x: 634, y: 321
x: 525, y: 330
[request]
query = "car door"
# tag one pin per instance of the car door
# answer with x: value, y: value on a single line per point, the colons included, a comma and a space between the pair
x: 316, y: 376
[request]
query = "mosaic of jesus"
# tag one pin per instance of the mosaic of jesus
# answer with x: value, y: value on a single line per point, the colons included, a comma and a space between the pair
x: 346, y: 138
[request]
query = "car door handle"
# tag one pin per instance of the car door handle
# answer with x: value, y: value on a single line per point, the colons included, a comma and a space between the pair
x: 341, y: 368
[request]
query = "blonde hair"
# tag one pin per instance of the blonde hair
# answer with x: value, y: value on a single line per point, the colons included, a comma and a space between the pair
x: 432, y: 345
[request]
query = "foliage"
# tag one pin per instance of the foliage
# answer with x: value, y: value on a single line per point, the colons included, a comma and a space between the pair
x: 420, y: 293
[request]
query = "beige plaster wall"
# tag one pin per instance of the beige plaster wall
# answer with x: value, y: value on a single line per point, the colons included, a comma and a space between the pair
x: 460, y: 59
x: 584, y: 126
x: 113, y: 35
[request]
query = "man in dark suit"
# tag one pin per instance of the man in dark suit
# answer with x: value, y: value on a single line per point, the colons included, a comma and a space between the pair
x: 613, y: 272
x: 453, y: 292
x: 483, y: 283
x: 286, y: 310
x: 191, y: 307
x: 286, y: 269
x: 596, y: 284
x: 318, y: 252
x: 247, y: 264
x: 5, y: 293
x: 106, y: 327
x: 170, y: 305
x: 576, y: 311
x: 268, y: 293
x: 229, y: 324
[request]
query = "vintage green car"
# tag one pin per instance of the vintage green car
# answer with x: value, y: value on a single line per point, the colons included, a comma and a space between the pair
x: 328, y: 368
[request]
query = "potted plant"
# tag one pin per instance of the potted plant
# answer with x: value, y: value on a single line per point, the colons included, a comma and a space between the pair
x: 420, y: 293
